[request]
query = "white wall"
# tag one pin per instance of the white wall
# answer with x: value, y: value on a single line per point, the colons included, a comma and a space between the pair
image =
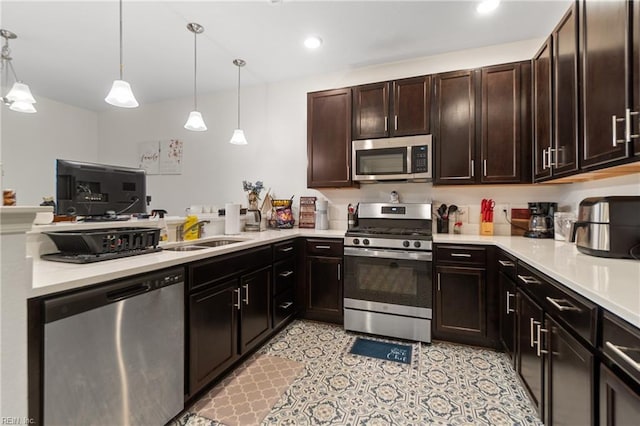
x: 30, y: 144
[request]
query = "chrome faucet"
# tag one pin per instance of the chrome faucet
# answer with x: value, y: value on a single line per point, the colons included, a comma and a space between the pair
x: 180, y: 231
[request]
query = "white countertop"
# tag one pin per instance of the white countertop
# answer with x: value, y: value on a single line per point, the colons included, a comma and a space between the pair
x: 613, y: 284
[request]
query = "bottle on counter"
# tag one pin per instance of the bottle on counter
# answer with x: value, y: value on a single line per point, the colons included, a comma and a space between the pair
x: 162, y: 224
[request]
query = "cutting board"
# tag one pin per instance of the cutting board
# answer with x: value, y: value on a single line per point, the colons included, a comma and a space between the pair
x: 519, y: 221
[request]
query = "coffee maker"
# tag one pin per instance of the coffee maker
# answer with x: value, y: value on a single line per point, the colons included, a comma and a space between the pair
x: 541, y: 220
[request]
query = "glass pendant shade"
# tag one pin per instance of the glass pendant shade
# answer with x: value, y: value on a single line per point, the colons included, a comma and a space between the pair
x: 195, y: 122
x: 20, y: 92
x: 22, y: 106
x: 121, y: 95
x: 238, y: 137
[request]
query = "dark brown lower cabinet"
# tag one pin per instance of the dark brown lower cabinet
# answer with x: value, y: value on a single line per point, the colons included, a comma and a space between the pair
x: 508, y: 313
x: 570, y: 388
x: 255, y: 322
x: 619, y: 404
x: 460, y: 302
x: 324, y: 289
x: 530, y: 365
x: 213, y: 344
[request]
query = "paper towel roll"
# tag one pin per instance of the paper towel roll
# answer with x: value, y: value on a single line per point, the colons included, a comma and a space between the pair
x: 231, y: 219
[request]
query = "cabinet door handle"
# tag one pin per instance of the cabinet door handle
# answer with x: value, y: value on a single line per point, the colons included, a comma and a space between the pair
x: 323, y: 247
x: 386, y: 123
x: 550, y: 160
x: 619, y: 351
x: 528, y: 279
x: 286, y: 249
x: 473, y: 167
x: 539, y: 331
x: 544, y: 159
x: 246, y: 294
x: 614, y: 130
x: 438, y: 281
x: 509, y: 310
x: 566, y: 306
x: 460, y: 255
x: 628, y: 123
x: 507, y: 263
x: 396, y: 123
x: 339, y: 275
x: 285, y: 274
x: 484, y: 167
x: 285, y: 305
x: 237, y: 292
x: 532, y: 324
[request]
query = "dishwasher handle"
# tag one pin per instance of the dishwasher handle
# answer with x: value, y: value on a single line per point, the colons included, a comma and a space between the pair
x: 127, y: 292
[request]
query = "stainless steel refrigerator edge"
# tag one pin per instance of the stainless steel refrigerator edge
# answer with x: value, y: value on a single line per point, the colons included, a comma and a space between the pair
x: 115, y: 354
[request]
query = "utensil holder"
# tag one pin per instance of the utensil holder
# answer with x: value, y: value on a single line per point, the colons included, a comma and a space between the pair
x: 442, y: 226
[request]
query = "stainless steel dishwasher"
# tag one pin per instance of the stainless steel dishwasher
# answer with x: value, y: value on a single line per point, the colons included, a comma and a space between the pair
x: 114, y: 354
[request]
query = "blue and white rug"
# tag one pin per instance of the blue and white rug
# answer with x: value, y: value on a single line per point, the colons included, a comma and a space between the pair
x: 382, y: 350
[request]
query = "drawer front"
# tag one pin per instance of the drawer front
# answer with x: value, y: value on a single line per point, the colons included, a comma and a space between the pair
x: 324, y: 247
x: 284, y: 276
x: 284, y: 249
x: 507, y: 264
x: 621, y: 344
x: 461, y: 255
x: 284, y: 307
x: 569, y: 308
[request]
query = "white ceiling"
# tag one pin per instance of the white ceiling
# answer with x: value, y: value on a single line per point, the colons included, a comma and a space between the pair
x: 68, y: 50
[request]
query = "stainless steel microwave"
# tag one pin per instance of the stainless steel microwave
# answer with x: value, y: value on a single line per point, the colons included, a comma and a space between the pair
x: 406, y: 158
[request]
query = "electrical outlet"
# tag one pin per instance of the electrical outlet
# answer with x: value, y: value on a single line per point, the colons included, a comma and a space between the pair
x: 498, y: 213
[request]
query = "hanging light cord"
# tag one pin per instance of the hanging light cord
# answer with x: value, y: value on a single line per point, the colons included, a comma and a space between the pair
x: 195, y: 71
x: 121, y: 63
x: 239, y: 66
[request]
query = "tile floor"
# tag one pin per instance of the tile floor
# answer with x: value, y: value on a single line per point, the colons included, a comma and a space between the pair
x: 445, y: 384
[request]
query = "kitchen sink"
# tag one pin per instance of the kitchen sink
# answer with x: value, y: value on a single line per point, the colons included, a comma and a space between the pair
x: 217, y: 243
x: 185, y: 248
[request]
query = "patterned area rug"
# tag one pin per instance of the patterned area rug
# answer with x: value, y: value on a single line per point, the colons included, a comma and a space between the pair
x: 246, y: 396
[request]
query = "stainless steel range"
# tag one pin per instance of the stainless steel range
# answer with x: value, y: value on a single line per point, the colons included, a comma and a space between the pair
x: 388, y: 269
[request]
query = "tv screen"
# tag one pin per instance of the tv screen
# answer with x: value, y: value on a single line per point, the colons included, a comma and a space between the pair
x: 89, y: 189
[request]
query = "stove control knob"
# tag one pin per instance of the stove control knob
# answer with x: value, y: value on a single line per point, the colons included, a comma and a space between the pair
x: 365, y: 242
x: 417, y: 244
x: 405, y: 243
x: 356, y: 241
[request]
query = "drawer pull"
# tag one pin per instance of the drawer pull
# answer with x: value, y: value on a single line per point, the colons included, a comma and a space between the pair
x: 528, y: 279
x: 285, y: 274
x: 507, y: 263
x: 285, y: 305
x: 237, y: 291
x: 619, y: 351
x: 246, y: 292
x: 460, y: 255
x: 565, y: 307
x: 323, y: 247
x: 286, y: 249
x: 539, y: 331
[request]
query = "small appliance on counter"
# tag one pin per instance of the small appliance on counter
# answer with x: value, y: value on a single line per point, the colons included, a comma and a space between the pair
x: 254, y: 218
x: 608, y: 227
x: 541, y: 220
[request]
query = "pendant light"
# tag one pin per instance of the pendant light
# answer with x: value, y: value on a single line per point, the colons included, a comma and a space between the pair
x: 195, y: 121
x: 120, y: 94
x: 19, y: 97
x: 238, y: 135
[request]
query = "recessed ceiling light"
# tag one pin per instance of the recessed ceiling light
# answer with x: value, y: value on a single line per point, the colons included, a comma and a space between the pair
x: 313, y: 42
x: 487, y: 6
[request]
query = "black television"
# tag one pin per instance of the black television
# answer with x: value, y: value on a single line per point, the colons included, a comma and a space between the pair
x: 99, y: 190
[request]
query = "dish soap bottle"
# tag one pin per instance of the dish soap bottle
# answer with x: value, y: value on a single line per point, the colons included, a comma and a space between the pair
x: 162, y: 224
x: 189, y: 223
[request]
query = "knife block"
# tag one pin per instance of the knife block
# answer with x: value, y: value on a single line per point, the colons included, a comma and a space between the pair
x: 486, y: 228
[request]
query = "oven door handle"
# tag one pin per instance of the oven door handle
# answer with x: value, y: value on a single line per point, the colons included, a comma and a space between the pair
x: 388, y: 254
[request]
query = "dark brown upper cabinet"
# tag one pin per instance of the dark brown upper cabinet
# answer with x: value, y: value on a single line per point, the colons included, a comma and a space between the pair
x: 505, y: 138
x: 635, y: 61
x: 542, y: 110
x: 454, y: 127
x: 604, y: 51
x: 555, y: 87
x: 387, y: 109
x: 329, y: 139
